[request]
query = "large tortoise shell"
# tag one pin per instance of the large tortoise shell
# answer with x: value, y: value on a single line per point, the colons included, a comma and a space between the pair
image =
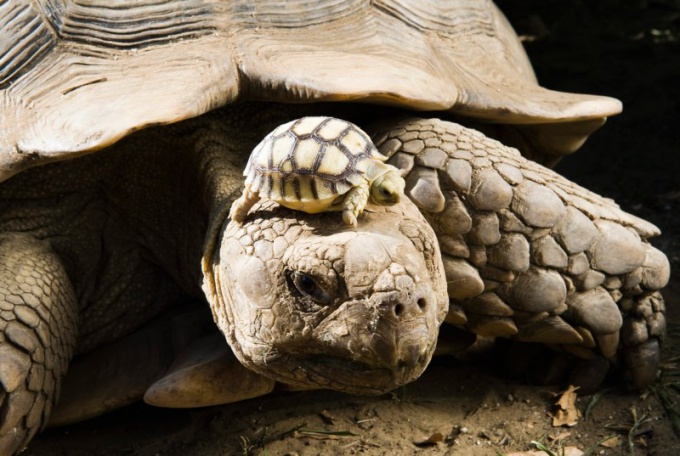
x: 77, y: 75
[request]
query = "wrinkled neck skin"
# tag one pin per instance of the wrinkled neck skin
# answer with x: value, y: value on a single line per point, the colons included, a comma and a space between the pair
x: 307, y: 300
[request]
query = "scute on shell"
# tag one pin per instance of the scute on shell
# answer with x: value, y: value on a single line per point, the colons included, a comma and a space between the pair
x: 311, y: 159
x: 53, y: 84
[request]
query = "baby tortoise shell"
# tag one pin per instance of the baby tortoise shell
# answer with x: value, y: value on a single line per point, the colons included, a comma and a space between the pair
x: 319, y: 164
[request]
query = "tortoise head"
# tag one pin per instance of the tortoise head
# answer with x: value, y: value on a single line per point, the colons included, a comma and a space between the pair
x: 387, y: 185
x: 305, y: 300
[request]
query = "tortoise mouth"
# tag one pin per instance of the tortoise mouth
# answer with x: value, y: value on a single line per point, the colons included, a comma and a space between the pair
x: 346, y: 375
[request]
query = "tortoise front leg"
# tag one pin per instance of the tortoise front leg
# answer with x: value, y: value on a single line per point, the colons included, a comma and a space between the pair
x: 240, y: 208
x: 38, y: 328
x: 530, y: 255
x: 354, y: 203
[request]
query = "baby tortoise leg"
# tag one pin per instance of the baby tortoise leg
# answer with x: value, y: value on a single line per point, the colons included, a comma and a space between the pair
x: 354, y: 203
x: 531, y: 256
x: 38, y: 329
x: 242, y: 205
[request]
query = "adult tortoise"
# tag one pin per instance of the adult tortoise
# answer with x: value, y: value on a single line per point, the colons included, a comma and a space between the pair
x: 102, y: 254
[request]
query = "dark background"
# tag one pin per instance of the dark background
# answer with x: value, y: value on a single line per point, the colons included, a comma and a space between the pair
x: 630, y: 50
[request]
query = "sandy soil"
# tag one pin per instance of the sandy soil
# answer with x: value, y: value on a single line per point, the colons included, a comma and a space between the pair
x: 627, y: 52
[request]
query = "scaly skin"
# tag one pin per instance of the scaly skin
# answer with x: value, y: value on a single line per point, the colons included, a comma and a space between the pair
x: 38, y: 328
x: 125, y: 229
x: 367, y: 323
x: 135, y: 229
x: 530, y: 255
x: 354, y: 203
x: 109, y: 229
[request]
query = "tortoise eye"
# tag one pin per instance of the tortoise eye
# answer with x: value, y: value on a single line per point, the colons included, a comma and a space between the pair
x: 388, y: 196
x: 308, y: 287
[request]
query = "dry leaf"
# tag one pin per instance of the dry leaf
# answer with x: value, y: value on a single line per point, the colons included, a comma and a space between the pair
x: 568, y: 397
x: 432, y: 440
x: 566, y: 414
x: 560, y: 436
x: 326, y: 417
x: 611, y: 442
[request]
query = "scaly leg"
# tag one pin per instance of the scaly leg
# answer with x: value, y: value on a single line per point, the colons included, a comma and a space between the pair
x: 354, y: 203
x: 38, y: 328
x: 239, y: 210
x: 531, y: 256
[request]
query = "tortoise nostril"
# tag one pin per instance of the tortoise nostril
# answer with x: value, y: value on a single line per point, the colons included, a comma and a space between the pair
x: 398, y: 309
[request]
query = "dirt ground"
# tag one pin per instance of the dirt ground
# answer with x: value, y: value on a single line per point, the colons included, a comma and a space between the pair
x: 630, y: 52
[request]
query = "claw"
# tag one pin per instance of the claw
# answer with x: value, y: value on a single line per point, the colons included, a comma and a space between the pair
x: 349, y: 218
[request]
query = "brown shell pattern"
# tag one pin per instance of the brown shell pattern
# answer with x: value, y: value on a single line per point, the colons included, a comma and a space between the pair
x: 313, y: 158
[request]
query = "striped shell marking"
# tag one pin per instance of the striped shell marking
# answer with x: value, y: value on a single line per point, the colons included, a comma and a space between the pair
x: 310, y: 159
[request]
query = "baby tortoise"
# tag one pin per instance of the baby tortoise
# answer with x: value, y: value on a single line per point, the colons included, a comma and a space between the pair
x: 319, y: 164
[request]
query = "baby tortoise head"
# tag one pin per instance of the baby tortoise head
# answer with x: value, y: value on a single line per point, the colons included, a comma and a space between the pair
x: 387, y: 187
